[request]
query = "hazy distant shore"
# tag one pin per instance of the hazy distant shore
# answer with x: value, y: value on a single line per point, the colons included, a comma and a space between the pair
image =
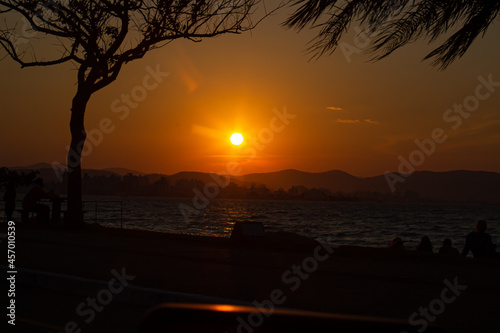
x: 458, y: 186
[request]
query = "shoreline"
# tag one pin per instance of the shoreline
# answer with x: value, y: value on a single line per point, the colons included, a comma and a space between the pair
x: 358, y: 224
x: 273, y: 241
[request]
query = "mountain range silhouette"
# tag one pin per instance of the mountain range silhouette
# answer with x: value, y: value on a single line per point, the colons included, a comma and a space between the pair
x: 452, y: 186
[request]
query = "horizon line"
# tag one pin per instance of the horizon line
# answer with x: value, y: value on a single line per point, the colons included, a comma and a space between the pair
x: 251, y: 173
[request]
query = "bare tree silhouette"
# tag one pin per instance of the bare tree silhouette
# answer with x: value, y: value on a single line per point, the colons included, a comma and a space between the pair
x: 99, y: 37
x: 395, y: 23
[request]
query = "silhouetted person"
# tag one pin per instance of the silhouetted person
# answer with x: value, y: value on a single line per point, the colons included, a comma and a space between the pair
x: 448, y: 249
x: 425, y: 245
x: 31, y: 201
x: 397, y: 244
x: 10, y: 200
x: 479, y: 242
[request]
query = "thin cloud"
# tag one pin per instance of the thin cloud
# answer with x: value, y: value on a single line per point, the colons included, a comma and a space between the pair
x: 348, y: 121
x: 205, y: 131
x: 371, y: 121
x: 334, y: 108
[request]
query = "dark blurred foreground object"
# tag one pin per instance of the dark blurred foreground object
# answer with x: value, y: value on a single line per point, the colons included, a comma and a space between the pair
x: 215, y: 318
x: 247, y: 230
x: 387, y: 25
x: 252, y: 234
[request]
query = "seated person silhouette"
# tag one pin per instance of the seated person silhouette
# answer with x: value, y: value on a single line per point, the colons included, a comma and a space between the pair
x: 425, y: 245
x: 448, y: 249
x: 479, y: 242
x: 31, y: 201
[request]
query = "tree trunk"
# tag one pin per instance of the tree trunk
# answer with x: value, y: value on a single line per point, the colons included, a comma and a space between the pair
x: 78, y: 136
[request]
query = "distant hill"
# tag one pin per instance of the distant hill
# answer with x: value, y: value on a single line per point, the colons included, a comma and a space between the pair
x: 463, y: 186
x: 124, y: 171
x: 453, y: 186
x: 204, y: 177
x: 36, y: 166
x: 287, y: 178
x: 47, y: 172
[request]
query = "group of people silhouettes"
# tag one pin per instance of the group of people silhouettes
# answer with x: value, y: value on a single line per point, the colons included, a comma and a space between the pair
x: 478, y: 242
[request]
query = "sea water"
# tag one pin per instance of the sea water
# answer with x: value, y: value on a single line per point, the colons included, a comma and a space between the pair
x: 337, y: 223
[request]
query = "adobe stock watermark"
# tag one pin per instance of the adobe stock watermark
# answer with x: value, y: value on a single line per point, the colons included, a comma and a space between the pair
x: 122, y: 107
x: 18, y: 40
x: 211, y: 190
x: 88, y: 309
x: 46, y: 9
x: 293, y: 279
x: 454, y: 117
x: 437, y: 306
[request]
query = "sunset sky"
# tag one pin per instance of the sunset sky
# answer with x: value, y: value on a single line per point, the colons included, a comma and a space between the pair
x: 349, y: 114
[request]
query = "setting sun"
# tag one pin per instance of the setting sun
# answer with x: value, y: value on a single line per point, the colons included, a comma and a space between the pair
x: 236, y: 139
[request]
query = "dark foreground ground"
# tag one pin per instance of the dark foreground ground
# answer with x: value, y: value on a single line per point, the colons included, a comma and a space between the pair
x: 463, y: 294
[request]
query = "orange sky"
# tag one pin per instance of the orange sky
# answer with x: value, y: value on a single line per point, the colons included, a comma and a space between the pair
x: 354, y: 116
